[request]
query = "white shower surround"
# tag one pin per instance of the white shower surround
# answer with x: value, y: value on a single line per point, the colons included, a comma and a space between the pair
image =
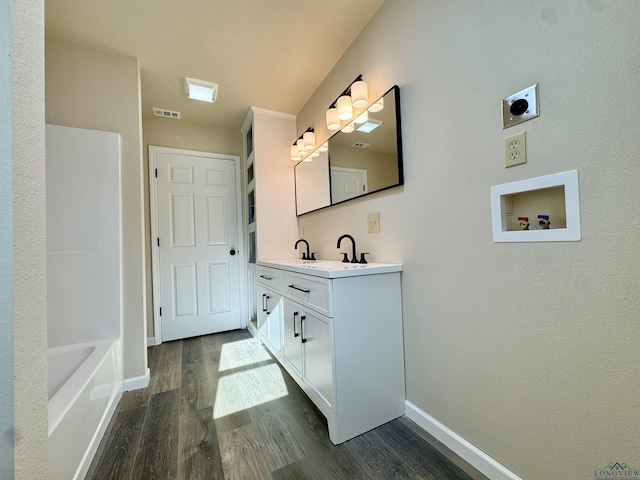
x: 84, y: 293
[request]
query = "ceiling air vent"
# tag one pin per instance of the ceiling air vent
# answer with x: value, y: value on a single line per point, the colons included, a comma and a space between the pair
x: 360, y: 145
x: 161, y: 112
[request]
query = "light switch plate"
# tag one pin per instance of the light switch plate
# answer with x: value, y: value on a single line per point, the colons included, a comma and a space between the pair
x: 373, y: 222
x: 520, y: 107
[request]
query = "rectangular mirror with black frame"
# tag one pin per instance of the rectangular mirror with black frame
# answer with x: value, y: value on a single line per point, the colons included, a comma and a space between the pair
x: 362, y: 162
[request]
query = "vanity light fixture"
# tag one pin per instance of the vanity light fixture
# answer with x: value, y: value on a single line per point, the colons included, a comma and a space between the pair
x: 303, y: 146
x: 200, y: 90
x: 355, y: 96
x: 324, y: 147
x: 369, y: 126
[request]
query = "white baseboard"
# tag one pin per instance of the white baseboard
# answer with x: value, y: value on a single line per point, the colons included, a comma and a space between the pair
x: 136, y: 383
x: 151, y: 341
x: 469, y: 452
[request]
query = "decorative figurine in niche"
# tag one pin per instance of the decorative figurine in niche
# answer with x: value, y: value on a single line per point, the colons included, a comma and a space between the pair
x: 524, y: 223
x: 543, y: 221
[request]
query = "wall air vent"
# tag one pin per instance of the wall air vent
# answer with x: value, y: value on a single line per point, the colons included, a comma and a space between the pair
x: 360, y: 145
x: 161, y: 112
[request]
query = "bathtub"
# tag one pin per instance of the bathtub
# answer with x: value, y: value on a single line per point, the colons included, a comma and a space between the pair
x: 85, y: 385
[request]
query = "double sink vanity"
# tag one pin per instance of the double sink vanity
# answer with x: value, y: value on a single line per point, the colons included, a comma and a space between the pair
x: 337, y: 329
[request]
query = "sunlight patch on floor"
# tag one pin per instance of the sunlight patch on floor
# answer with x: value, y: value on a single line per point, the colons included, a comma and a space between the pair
x: 241, y: 353
x: 248, y: 388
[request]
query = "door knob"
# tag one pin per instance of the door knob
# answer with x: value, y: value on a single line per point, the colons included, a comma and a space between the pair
x: 232, y: 252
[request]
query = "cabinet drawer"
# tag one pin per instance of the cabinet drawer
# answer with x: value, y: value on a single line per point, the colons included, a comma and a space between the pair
x: 311, y: 291
x: 269, y: 277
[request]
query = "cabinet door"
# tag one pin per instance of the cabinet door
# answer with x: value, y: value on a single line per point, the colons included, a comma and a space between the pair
x: 292, y: 346
x: 318, y: 368
x: 270, y: 318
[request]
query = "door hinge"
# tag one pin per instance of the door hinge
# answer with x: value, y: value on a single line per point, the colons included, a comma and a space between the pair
x: 156, y: 173
x: 158, y: 241
x: 160, y: 311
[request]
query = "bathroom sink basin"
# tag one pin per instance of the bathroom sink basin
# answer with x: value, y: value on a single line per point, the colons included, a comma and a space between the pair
x: 331, y: 268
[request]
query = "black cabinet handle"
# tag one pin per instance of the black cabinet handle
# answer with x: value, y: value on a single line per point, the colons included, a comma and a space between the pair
x: 267, y: 310
x: 264, y: 297
x: 303, y: 340
x: 265, y: 277
x: 295, y: 334
x: 299, y: 289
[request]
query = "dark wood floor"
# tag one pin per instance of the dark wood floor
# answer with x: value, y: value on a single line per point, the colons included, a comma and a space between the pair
x: 220, y: 407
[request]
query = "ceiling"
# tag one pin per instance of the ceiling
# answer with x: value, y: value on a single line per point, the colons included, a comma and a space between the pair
x: 267, y: 53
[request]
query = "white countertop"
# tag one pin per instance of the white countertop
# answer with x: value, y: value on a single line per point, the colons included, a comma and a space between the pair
x: 330, y: 268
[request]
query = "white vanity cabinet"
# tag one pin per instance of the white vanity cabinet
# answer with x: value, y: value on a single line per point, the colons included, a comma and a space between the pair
x: 269, y: 308
x: 341, y: 338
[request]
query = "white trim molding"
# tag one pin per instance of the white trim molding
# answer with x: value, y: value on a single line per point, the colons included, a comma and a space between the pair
x: 137, y: 383
x: 469, y: 452
x: 151, y: 341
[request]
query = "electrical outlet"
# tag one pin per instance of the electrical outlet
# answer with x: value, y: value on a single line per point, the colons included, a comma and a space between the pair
x: 515, y: 150
x: 373, y: 222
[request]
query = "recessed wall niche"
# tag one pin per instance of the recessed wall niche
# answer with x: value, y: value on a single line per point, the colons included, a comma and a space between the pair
x: 552, y: 199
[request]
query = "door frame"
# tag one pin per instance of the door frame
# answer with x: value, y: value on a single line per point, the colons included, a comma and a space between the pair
x: 155, y: 250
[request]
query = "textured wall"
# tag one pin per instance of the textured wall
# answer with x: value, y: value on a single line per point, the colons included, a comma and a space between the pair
x: 163, y: 132
x: 94, y: 89
x: 29, y: 240
x: 6, y: 250
x: 529, y: 351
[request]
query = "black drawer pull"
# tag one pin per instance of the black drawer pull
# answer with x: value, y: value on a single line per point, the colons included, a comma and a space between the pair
x: 266, y: 278
x: 299, y: 289
x: 295, y: 334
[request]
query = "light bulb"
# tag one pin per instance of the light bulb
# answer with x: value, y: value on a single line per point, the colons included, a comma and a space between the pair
x: 348, y: 128
x: 359, y: 94
x: 333, y: 121
x: 295, y: 156
x: 379, y: 105
x: 362, y: 118
x: 345, y: 108
x: 301, y: 150
x: 309, y: 140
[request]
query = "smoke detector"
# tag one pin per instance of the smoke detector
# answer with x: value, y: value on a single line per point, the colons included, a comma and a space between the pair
x: 161, y: 112
x: 360, y: 145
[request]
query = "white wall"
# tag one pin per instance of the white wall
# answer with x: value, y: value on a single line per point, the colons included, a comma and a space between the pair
x: 26, y: 235
x: 528, y: 351
x: 99, y: 90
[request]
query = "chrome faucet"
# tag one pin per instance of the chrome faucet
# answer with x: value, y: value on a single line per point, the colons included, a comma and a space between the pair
x: 306, y: 256
x: 345, y: 259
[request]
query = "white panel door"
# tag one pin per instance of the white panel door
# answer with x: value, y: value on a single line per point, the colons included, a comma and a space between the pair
x: 199, y: 270
x: 347, y: 183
